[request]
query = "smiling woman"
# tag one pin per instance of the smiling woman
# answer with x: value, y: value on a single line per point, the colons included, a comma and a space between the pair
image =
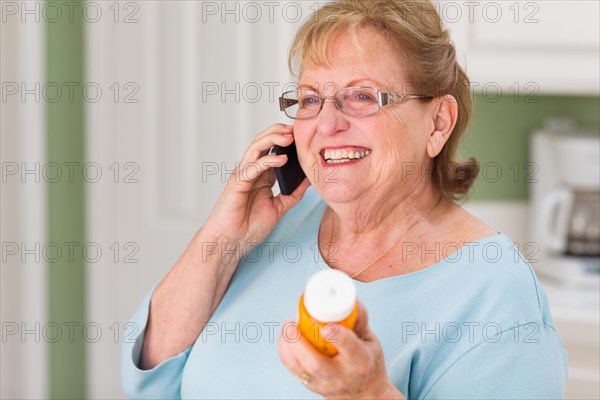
x: 380, y: 108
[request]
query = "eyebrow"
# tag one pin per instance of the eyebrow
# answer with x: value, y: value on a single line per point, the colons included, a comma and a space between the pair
x: 353, y: 82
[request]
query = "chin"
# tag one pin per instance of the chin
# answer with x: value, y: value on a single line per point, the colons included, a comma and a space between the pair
x: 337, y: 192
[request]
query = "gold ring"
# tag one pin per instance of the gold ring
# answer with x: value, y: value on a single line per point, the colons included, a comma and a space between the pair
x: 305, y: 378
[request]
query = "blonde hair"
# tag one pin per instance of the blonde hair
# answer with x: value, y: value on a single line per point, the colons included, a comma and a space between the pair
x: 429, y: 58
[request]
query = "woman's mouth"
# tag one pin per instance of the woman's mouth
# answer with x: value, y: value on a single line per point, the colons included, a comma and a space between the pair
x: 344, y: 155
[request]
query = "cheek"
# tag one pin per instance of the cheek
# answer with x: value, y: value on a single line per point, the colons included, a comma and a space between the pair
x: 398, y: 143
x: 303, y: 132
x: 404, y: 143
x: 405, y: 135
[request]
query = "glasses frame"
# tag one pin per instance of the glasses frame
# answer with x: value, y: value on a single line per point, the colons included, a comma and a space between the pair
x: 383, y: 99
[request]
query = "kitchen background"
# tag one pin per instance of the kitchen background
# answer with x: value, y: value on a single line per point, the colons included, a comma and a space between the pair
x: 119, y: 120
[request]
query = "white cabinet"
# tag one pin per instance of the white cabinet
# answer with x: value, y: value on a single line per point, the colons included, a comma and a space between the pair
x: 527, y: 47
x: 576, y: 314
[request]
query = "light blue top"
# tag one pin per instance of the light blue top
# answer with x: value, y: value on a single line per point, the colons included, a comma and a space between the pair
x: 474, y: 325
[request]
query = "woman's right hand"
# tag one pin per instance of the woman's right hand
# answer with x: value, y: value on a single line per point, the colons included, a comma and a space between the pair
x: 247, y: 211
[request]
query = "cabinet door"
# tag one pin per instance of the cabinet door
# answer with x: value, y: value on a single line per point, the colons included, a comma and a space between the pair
x: 526, y: 47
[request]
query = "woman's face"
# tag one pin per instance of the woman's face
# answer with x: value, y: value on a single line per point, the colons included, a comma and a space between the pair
x: 395, y: 138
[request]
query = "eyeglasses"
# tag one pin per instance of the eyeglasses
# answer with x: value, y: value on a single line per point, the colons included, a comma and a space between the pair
x: 360, y: 101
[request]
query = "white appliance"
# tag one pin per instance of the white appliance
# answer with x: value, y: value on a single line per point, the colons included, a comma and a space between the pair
x: 565, y: 204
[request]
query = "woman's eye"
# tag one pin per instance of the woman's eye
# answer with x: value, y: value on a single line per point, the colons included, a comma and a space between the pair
x: 308, y: 101
x: 364, y: 97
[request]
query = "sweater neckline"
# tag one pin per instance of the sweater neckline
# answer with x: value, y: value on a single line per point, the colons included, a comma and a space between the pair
x: 320, y: 261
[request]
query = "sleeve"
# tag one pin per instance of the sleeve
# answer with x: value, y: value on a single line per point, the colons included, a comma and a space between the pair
x: 526, y: 362
x: 160, y: 382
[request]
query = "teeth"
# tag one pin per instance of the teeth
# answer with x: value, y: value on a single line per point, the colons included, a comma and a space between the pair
x: 341, y: 156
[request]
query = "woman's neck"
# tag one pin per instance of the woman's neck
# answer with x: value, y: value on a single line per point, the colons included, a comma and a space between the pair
x: 356, y: 238
x: 379, y: 218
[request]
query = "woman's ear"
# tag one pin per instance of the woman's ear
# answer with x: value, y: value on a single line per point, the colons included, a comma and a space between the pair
x: 444, y: 119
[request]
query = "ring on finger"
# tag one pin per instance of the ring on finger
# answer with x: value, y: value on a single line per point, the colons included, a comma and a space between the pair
x: 305, y: 377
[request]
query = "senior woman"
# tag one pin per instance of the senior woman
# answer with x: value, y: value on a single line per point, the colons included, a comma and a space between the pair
x: 454, y: 311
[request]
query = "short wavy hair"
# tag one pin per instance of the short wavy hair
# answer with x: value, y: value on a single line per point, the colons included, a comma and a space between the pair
x: 429, y: 57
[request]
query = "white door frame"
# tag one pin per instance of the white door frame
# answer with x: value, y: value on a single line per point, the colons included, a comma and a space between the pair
x: 23, y: 284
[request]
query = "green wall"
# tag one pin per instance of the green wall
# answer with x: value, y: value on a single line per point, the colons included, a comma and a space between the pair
x: 66, y: 214
x: 499, y: 133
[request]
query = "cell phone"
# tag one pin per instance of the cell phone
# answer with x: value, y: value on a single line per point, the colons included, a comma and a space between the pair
x: 290, y: 175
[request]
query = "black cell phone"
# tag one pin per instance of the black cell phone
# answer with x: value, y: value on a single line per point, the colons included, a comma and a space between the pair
x: 290, y: 175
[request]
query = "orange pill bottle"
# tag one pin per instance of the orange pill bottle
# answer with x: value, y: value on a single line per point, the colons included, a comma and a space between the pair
x: 329, y: 299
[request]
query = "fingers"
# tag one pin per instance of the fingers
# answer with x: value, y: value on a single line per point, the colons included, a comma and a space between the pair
x: 299, y: 356
x: 290, y: 360
x: 257, y: 160
x: 352, y: 341
x: 273, y: 128
x: 279, y: 134
x: 346, y: 341
x: 358, y: 367
x: 314, y: 362
x: 287, y: 202
x: 251, y: 171
x: 362, y: 322
x: 287, y: 356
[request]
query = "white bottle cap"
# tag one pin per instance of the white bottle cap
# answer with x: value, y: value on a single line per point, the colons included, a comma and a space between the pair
x: 330, y: 296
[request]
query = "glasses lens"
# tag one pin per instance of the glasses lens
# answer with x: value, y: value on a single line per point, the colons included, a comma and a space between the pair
x: 301, y: 104
x: 358, y: 101
x: 352, y: 101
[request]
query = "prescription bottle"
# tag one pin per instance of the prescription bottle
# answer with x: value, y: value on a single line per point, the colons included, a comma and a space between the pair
x: 328, y: 299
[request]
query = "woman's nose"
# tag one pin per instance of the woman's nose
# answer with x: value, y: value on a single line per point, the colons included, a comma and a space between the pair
x: 331, y: 120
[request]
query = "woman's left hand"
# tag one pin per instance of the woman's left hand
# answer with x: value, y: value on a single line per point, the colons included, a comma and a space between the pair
x: 357, y: 371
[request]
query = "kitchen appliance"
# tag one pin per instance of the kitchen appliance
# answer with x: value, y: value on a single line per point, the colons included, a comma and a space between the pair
x: 565, y: 204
